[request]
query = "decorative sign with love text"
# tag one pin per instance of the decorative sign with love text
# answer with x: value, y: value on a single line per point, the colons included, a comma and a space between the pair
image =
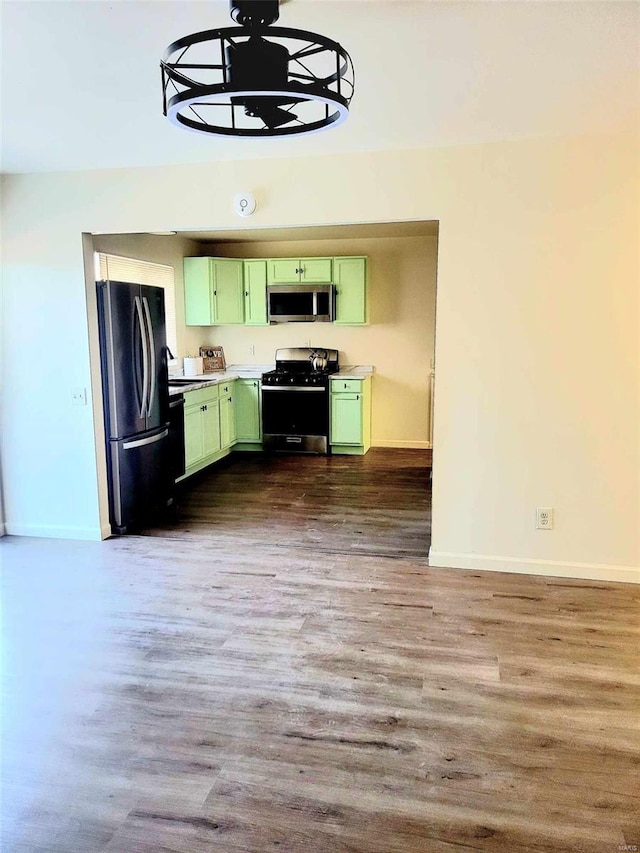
x: 212, y: 359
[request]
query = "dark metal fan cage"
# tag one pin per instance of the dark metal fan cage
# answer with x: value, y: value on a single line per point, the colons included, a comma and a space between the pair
x: 256, y: 80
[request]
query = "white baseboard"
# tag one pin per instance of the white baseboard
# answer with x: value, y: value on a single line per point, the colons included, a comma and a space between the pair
x: 53, y: 531
x: 408, y: 445
x: 549, y: 568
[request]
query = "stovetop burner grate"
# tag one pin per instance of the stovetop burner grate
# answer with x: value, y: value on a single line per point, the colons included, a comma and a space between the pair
x: 295, y: 366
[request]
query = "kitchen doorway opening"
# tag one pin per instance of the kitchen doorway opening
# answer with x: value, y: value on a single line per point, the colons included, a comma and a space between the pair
x: 398, y: 342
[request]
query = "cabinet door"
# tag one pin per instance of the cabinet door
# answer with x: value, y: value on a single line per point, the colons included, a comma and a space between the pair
x: 283, y: 271
x: 227, y: 421
x: 255, y: 293
x: 247, y: 409
x: 349, y: 275
x: 211, y: 427
x: 197, y: 292
x: 228, y: 293
x: 316, y: 270
x: 346, y: 419
x: 193, y: 436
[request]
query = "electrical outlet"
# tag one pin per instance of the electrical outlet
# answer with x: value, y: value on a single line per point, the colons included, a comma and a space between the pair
x: 252, y: 349
x: 544, y: 518
x: 79, y: 396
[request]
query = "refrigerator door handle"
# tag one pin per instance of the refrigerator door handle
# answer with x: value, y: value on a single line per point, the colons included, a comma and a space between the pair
x: 142, y: 441
x: 152, y: 353
x: 145, y: 357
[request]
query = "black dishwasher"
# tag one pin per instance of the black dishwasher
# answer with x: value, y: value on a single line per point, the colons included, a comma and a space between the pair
x: 176, y: 435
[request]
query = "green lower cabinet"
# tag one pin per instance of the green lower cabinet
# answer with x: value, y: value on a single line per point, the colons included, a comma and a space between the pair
x: 248, y: 414
x: 346, y: 419
x: 193, y: 436
x: 201, y: 431
x: 227, y: 418
x: 221, y: 418
x: 205, y: 426
x: 350, y: 428
x: 211, y: 428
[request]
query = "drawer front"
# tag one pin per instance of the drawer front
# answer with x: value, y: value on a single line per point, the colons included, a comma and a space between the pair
x: 201, y: 395
x: 340, y: 386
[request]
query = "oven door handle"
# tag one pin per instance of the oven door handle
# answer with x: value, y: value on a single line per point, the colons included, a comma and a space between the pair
x: 292, y: 388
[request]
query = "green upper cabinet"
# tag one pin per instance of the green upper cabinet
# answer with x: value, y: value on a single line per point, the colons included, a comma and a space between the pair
x: 225, y: 291
x: 213, y: 291
x: 299, y: 270
x: 197, y: 292
x: 255, y: 293
x: 350, y: 278
x: 228, y: 292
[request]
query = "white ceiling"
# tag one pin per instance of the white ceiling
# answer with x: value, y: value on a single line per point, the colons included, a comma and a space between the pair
x: 81, y: 80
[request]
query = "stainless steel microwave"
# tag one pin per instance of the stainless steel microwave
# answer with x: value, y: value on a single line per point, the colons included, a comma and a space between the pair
x: 301, y: 303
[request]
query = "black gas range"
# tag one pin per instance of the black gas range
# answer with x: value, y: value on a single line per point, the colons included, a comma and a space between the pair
x: 295, y: 400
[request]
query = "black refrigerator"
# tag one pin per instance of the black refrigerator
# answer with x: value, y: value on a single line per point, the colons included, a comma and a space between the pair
x: 133, y: 350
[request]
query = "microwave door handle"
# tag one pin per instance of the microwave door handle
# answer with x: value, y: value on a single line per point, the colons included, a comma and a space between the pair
x: 314, y: 309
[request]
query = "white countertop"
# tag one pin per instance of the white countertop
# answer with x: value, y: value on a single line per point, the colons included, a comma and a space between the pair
x: 233, y: 371
x: 255, y: 371
x: 354, y: 371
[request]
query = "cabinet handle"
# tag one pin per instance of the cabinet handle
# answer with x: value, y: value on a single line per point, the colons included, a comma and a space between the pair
x: 357, y: 396
x: 345, y: 385
x: 215, y: 292
x: 255, y: 384
x: 246, y: 293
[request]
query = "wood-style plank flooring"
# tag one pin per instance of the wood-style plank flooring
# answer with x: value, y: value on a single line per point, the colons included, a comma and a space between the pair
x: 227, y: 693
x: 379, y: 503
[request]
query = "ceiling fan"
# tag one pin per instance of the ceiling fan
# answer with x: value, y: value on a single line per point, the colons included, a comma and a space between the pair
x: 256, y: 80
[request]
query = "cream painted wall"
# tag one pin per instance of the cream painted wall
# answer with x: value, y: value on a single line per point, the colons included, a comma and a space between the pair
x: 399, y: 342
x: 536, y: 345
